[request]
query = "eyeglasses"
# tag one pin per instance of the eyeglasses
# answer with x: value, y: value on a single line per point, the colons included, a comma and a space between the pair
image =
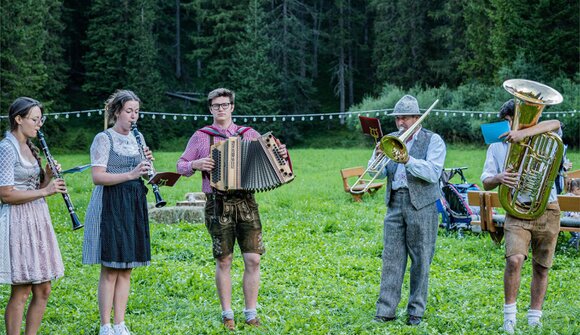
x: 216, y: 107
x: 39, y: 120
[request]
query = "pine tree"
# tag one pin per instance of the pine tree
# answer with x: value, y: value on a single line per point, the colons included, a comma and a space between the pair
x: 122, y: 51
x: 340, y: 16
x: 401, y: 35
x: 53, y: 55
x: 142, y: 57
x: 292, y: 35
x: 256, y: 79
x: 476, y: 62
x: 214, y: 43
x: 446, y: 44
x: 510, y: 26
x: 555, y: 40
x: 31, y: 62
x: 107, y: 42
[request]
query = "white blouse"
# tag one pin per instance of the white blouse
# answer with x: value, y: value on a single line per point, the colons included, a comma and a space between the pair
x: 125, y: 145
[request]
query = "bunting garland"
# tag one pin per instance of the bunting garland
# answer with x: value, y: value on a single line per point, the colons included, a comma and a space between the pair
x: 300, y: 117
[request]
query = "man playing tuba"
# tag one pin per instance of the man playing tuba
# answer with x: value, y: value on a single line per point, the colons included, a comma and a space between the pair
x: 541, y: 232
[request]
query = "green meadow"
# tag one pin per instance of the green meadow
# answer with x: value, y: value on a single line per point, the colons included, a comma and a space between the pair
x: 321, y: 270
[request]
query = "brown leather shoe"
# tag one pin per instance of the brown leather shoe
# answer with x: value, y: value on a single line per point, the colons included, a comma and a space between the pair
x: 229, y: 323
x: 255, y: 322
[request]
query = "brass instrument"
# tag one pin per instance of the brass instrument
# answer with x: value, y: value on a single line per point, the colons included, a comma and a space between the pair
x: 76, y: 223
x: 536, y: 158
x: 393, y: 148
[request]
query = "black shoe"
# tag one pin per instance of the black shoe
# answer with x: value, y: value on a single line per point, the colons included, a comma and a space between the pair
x: 414, y: 320
x: 383, y: 319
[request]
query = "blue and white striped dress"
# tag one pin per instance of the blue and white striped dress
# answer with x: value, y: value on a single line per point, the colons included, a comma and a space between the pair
x: 116, y: 223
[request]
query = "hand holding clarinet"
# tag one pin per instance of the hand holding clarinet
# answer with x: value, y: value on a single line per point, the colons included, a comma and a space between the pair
x: 141, y: 170
x: 145, y: 168
x: 57, y: 185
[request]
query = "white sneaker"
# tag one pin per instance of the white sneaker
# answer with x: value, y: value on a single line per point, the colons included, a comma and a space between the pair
x: 121, y: 329
x: 535, y: 323
x: 509, y: 326
x: 106, y: 330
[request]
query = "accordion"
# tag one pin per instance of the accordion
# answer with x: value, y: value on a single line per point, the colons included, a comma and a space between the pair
x: 249, y: 165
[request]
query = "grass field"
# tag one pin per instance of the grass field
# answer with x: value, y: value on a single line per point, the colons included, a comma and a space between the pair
x: 321, y: 271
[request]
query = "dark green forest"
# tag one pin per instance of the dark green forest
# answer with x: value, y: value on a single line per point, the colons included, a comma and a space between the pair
x: 283, y: 57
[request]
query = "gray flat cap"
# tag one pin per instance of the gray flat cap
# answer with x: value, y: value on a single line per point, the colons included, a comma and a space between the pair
x: 407, y: 105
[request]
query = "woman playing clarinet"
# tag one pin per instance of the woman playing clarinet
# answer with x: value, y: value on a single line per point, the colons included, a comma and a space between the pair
x: 117, y: 224
x: 29, y: 253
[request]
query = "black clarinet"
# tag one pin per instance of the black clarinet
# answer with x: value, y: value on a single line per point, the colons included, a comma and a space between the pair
x: 76, y: 223
x: 159, y: 202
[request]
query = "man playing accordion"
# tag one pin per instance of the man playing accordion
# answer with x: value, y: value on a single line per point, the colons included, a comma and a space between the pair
x: 228, y: 215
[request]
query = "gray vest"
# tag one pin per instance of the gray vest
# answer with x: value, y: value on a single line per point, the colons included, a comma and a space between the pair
x: 422, y: 193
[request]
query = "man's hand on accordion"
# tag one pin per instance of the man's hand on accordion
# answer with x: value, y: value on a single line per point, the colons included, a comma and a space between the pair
x: 203, y: 164
x: 282, y: 150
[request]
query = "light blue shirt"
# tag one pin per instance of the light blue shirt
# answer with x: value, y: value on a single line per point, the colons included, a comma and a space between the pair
x: 428, y: 169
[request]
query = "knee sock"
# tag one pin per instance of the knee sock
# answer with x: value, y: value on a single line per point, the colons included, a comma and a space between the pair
x: 229, y: 314
x: 534, y: 316
x: 250, y: 314
x: 509, y: 312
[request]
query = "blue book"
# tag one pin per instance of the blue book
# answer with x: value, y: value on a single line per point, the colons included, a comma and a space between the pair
x: 492, y: 131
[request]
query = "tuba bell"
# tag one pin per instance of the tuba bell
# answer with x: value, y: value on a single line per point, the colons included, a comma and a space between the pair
x: 536, y: 158
x: 393, y: 149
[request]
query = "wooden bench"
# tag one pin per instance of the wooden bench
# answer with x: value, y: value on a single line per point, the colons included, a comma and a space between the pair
x: 493, y: 223
x: 351, y: 175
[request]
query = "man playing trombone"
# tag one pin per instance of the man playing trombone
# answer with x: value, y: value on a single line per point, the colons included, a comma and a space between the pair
x: 411, y: 222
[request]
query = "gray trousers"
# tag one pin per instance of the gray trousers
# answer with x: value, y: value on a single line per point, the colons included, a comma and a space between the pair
x: 407, y: 233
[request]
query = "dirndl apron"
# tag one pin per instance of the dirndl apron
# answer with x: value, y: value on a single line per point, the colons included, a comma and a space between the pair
x: 125, y: 236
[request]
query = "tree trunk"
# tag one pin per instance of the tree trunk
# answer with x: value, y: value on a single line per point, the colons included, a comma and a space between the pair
x: 177, y: 40
x: 341, y: 65
x: 198, y: 62
x: 316, y: 38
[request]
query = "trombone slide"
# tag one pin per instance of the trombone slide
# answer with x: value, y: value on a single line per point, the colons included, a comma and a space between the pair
x: 374, y: 169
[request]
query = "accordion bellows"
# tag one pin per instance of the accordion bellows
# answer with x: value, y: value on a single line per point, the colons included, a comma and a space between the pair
x: 249, y: 165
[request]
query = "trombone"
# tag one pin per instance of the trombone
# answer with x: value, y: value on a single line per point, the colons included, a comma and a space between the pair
x: 392, y: 148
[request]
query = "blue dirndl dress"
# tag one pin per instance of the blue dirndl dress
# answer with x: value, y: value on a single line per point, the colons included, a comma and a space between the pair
x: 117, y: 222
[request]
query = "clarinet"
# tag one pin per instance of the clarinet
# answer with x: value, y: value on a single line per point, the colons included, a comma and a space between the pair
x: 76, y: 223
x: 159, y: 202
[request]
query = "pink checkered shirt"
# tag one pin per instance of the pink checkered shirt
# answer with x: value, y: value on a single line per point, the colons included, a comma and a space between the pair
x: 198, y: 147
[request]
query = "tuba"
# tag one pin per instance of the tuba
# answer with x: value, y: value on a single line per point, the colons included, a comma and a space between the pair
x: 393, y: 149
x: 536, y: 158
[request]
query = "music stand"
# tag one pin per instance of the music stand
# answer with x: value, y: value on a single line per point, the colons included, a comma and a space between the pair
x: 164, y: 178
x: 371, y: 126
